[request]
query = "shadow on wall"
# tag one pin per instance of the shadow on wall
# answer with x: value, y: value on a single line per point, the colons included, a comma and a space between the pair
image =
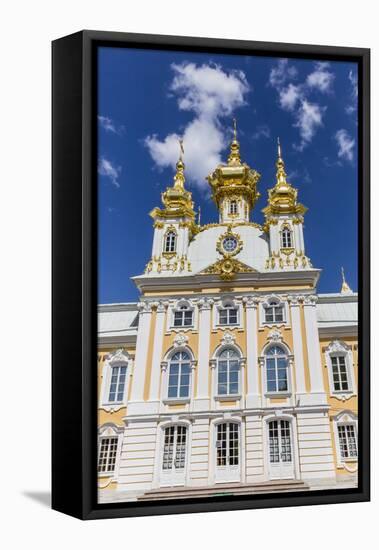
x: 42, y: 497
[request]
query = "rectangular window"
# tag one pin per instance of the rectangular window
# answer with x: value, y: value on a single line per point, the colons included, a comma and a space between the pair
x: 107, y: 454
x: 339, y: 370
x: 274, y: 314
x: 347, y: 441
x: 117, y: 385
x: 183, y: 318
x: 228, y: 316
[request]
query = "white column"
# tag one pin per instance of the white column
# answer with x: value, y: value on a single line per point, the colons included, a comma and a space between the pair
x: 202, y: 398
x: 252, y: 391
x: 297, y: 344
x: 157, y: 241
x: 136, y: 405
x: 157, y: 352
x: 313, y: 347
x: 301, y: 236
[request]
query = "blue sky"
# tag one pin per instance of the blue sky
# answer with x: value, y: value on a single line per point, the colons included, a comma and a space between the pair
x: 147, y: 99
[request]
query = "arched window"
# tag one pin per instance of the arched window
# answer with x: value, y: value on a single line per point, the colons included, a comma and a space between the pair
x: 228, y: 369
x: 115, y: 377
x: 179, y: 375
x: 233, y: 209
x: 286, y: 238
x: 170, y: 242
x: 339, y: 359
x: 276, y: 370
x: 228, y: 315
x: 274, y: 312
x: 183, y: 316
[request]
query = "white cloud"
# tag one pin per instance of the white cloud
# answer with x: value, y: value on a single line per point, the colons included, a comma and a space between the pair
x: 294, y: 98
x: 107, y: 169
x: 321, y: 78
x: 281, y: 73
x: 210, y: 93
x: 352, y: 107
x: 309, y: 117
x: 262, y: 131
x: 345, y: 145
x: 110, y: 126
x: 288, y: 97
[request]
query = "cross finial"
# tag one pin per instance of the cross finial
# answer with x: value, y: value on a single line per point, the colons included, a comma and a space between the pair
x: 235, y: 129
x: 181, y: 148
x: 345, y: 289
x: 279, y: 149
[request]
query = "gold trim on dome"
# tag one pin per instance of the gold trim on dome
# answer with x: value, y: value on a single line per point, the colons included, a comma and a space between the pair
x: 222, y: 237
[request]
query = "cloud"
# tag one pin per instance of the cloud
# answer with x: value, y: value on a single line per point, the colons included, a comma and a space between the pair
x: 210, y: 93
x: 295, y: 98
x: 110, y: 126
x: 262, y: 131
x: 321, y: 78
x: 107, y: 169
x: 345, y: 145
x: 288, y: 97
x: 309, y: 118
x: 352, y: 106
x: 281, y: 73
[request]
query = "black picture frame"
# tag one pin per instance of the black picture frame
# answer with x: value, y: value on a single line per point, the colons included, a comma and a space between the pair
x: 74, y: 271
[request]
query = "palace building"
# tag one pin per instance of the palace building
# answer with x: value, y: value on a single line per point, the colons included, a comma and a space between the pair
x: 231, y: 373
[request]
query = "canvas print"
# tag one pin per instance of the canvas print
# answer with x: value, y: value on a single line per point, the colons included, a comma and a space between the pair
x: 227, y: 275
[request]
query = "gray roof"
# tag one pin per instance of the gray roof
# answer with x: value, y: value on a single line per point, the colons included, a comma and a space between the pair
x: 117, y: 322
x: 337, y: 311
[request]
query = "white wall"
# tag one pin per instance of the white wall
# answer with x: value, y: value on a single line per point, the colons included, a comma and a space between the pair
x: 27, y: 29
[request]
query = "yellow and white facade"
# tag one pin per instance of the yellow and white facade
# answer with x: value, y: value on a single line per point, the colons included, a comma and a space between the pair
x: 231, y: 368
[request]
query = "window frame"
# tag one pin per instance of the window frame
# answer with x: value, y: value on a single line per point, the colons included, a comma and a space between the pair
x: 115, y: 359
x: 110, y: 430
x: 170, y: 231
x: 180, y: 362
x: 345, y: 418
x: 286, y: 230
x: 267, y: 303
x: 227, y: 304
x: 233, y: 205
x: 338, y: 348
x: 239, y: 359
x: 175, y: 308
x: 276, y: 393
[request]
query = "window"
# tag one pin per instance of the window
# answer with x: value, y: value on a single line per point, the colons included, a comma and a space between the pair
x: 174, y: 448
x: 276, y: 370
x: 227, y: 444
x: 179, y: 375
x: 170, y: 242
x: 347, y: 441
x: 286, y: 238
x: 274, y: 312
x: 228, y: 372
x: 233, y: 207
x: 228, y: 315
x: 107, y: 454
x: 117, y: 384
x: 183, y: 317
x: 339, y: 372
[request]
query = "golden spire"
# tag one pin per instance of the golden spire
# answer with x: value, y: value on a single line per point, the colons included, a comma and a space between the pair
x: 281, y: 176
x: 345, y: 289
x: 234, y: 158
x: 179, y: 177
x: 282, y: 198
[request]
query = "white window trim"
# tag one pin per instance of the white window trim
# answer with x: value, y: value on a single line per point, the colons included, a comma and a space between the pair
x: 165, y: 367
x: 345, y: 417
x: 217, y: 306
x: 167, y: 232
x: 174, y: 421
x: 337, y: 347
x: 265, y: 304
x: 175, y: 306
x: 241, y: 377
x: 280, y: 415
x: 226, y: 417
x: 110, y: 430
x: 117, y: 358
x: 262, y: 364
x: 287, y: 227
